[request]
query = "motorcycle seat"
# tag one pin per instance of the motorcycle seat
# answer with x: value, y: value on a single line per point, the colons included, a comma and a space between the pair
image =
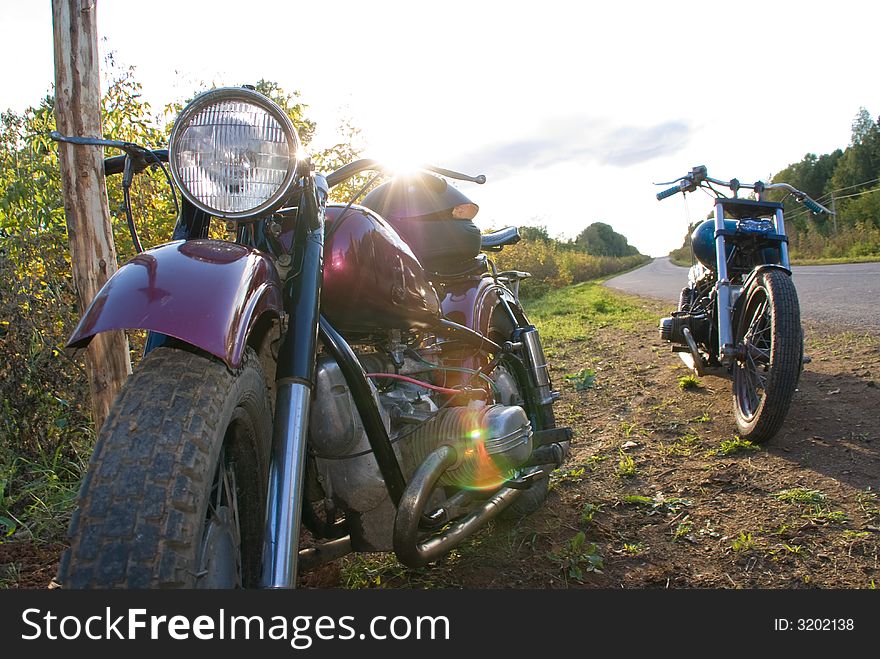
x: 495, y: 240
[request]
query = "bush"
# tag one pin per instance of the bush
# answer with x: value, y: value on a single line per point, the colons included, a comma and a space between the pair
x: 553, y: 265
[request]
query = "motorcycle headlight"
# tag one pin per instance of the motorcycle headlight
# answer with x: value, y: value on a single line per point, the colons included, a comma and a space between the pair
x: 233, y: 153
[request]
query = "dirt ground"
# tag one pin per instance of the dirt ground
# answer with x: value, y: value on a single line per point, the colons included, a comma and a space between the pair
x: 657, y: 492
x: 802, y: 511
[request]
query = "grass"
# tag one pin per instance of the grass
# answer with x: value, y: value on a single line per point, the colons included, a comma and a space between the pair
x: 835, y: 260
x: 820, y: 515
x: 634, y: 548
x: 37, y: 495
x: 684, y: 445
x: 735, y: 446
x: 869, y: 502
x: 382, y: 571
x: 626, y: 466
x: 800, y: 495
x: 574, y: 313
x: 686, y: 382
x: 744, y: 542
x: 703, y: 418
x: 683, y: 529
x: 9, y: 575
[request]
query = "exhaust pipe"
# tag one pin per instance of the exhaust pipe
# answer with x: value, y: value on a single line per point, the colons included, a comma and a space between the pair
x: 415, y: 551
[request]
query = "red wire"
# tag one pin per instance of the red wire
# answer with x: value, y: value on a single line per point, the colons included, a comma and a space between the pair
x: 395, y: 376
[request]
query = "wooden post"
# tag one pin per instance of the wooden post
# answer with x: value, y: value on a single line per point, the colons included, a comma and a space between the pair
x: 93, y: 254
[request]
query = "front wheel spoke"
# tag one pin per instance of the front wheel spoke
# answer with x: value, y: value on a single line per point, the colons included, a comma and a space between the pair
x: 754, y: 398
x: 232, y: 500
x: 757, y: 317
x: 760, y: 379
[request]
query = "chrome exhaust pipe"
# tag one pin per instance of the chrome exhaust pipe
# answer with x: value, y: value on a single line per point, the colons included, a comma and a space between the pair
x: 416, y: 548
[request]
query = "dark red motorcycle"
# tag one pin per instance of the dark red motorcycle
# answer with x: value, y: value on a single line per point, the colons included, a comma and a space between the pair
x: 361, y: 371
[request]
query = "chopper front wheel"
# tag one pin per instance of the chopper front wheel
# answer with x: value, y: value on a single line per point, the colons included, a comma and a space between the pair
x: 175, y: 492
x: 769, y: 350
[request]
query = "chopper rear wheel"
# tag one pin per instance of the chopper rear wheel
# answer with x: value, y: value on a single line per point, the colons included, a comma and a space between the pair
x: 769, y: 343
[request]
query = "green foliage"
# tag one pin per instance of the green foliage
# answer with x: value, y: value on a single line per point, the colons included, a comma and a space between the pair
x: 599, y: 239
x: 532, y: 234
x: 846, y: 179
x: 575, y: 312
x: 689, y: 382
x: 554, y: 264
x: 800, y: 495
x: 736, y: 445
x: 584, y: 379
x: 744, y: 542
x: 588, y: 511
x: 656, y: 504
x: 576, y: 557
x: 683, y: 529
x: 45, y: 420
x: 626, y: 466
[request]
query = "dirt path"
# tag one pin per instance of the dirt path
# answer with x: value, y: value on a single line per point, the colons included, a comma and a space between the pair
x: 801, y: 511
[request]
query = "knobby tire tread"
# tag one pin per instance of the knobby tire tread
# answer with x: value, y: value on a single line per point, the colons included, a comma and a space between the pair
x: 138, y: 513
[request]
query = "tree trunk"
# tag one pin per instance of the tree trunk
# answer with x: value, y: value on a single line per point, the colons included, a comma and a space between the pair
x: 93, y: 254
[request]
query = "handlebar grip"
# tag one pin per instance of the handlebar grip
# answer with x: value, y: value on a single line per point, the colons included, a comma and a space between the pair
x: 812, y: 205
x: 667, y: 193
x: 116, y: 164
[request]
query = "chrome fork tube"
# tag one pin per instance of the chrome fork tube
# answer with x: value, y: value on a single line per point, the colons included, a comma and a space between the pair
x: 286, y: 473
x: 783, y: 246
x: 722, y: 290
x: 295, y: 375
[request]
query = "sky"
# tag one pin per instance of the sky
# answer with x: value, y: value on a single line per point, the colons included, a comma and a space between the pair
x: 572, y: 110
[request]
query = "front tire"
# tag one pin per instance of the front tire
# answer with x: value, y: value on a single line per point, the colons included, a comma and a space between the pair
x: 175, y: 492
x: 769, y: 344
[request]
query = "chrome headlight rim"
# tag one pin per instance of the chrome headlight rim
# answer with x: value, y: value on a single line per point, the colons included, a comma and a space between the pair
x: 214, y: 96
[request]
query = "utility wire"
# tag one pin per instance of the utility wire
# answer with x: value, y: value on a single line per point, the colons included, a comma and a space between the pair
x: 849, y: 196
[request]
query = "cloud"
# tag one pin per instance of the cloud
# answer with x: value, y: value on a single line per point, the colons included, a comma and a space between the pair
x: 578, y: 139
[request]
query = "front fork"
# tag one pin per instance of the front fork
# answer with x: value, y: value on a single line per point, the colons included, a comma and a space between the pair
x: 723, y: 287
x: 294, y: 382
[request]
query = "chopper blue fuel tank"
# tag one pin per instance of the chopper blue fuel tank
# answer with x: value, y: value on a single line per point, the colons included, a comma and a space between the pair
x: 372, y: 280
x: 703, y: 242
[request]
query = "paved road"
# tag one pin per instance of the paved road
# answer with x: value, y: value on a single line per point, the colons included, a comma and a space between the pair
x: 846, y: 294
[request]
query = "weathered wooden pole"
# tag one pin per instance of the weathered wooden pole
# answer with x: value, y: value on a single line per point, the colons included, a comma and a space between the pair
x: 93, y: 254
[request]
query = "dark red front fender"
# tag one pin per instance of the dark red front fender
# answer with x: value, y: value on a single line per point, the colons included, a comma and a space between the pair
x: 208, y: 293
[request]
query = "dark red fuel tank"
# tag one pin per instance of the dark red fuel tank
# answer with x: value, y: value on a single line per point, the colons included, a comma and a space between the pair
x: 372, y: 280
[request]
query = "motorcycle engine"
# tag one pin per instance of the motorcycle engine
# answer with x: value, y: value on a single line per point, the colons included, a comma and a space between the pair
x: 491, y: 440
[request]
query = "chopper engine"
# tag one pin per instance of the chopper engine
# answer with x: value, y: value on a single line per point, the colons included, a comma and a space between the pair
x: 490, y: 441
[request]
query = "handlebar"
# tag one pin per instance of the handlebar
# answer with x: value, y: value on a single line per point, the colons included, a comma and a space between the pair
x: 116, y: 164
x: 698, y: 176
x: 139, y: 157
x: 814, y: 206
x: 353, y: 168
x: 668, y: 193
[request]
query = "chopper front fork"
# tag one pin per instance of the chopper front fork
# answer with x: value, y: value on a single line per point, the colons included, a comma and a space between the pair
x: 723, y: 293
x: 294, y: 382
